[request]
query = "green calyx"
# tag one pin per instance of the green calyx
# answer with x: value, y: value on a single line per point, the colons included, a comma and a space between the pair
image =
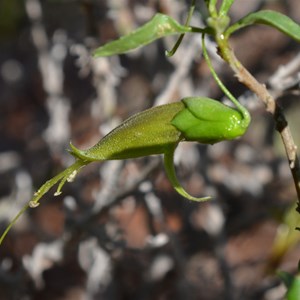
x: 146, y: 133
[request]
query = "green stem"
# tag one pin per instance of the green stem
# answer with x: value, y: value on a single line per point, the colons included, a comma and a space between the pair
x: 67, y: 175
x: 187, y: 22
x: 207, y: 30
x: 243, y: 110
x: 14, y: 220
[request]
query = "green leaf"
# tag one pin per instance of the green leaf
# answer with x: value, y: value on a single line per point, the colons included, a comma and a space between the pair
x: 159, y: 26
x: 271, y: 18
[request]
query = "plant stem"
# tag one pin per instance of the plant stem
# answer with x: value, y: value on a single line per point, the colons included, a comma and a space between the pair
x: 272, y: 107
x: 187, y: 23
x: 243, y: 111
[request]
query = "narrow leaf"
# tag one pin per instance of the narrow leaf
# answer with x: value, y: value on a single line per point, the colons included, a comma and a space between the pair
x: 159, y: 26
x: 211, y: 6
x: 271, y: 18
x: 226, y: 4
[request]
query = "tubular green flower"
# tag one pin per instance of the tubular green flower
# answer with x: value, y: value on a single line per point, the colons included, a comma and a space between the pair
x: 155, y: 131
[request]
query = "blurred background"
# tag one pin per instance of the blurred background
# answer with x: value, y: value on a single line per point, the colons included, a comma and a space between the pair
x: 120, y: 231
